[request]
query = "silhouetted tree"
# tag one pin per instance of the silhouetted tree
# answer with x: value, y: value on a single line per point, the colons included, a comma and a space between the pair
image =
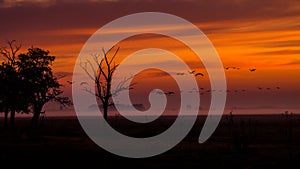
x: 102, y: 76
x: 10, y: 53
x: 12, y: 97
x: 3, y: 92
x: 35, y: 70
x: 3, y: 95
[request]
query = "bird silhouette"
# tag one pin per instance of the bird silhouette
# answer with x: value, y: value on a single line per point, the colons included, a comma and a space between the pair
x: 180, y: 73
x: 277, y: 87
x: 199, y: 74
x: 84, y: 83
x: 252, y: 70
x: 70, y: 82
x: 232, y: 67
x: 169, y: 93
x: 193, y: 71
x: 196, y: 74
x: 259, y: 88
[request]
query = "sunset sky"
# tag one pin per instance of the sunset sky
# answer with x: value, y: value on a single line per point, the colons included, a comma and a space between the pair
x: 260, y: 34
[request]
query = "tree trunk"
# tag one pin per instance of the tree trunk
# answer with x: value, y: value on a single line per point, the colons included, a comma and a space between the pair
x: 105, y: 110
x: 35, y: 118
x: 12, y: 118
x: 5, y: 118
x: 106, y: 99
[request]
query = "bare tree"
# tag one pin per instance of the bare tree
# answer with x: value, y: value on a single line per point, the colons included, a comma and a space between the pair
x: 10, y: 53
x: 102, y: 76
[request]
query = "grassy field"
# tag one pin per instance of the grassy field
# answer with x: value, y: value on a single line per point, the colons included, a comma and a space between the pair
x: 242, y: 141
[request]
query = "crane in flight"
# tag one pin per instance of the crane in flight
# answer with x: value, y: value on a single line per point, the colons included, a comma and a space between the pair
x: 180, y: 73
x: 199, y: 74
x: 84, y: 83
x: 70, y: 82
x: 169, y: 93
x: 196, y: 73
x: 252, y: 70
x: 192, y: 72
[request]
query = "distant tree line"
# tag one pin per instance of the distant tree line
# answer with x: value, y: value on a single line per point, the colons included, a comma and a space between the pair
x: 27, y: 82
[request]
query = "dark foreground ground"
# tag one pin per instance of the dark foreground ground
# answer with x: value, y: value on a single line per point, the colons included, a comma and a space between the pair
x: 252, y: 141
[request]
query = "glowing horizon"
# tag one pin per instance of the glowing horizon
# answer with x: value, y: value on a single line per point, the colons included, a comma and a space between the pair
x: 264, y: 40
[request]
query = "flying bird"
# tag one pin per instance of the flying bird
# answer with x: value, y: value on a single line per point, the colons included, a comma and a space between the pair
x: 232, y: 67
x: 84, y: 83
x: 277, y: 87
x: 169, y: 93
x: 199, y: 74
x: 252, y: 70
x: 193, y: 71
x: 180, y: 73
x: 70, y: 82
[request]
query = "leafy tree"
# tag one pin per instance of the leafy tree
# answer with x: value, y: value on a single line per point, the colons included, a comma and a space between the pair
x: 3, y: 95
x: 35, y: 68
x: 12, y: 95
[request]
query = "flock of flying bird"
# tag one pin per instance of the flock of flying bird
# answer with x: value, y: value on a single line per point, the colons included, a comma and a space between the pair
x: 201, y: 74
x: 202, y: 90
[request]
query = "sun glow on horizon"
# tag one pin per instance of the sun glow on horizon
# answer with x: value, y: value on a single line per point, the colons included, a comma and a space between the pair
x: 269, y: 44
